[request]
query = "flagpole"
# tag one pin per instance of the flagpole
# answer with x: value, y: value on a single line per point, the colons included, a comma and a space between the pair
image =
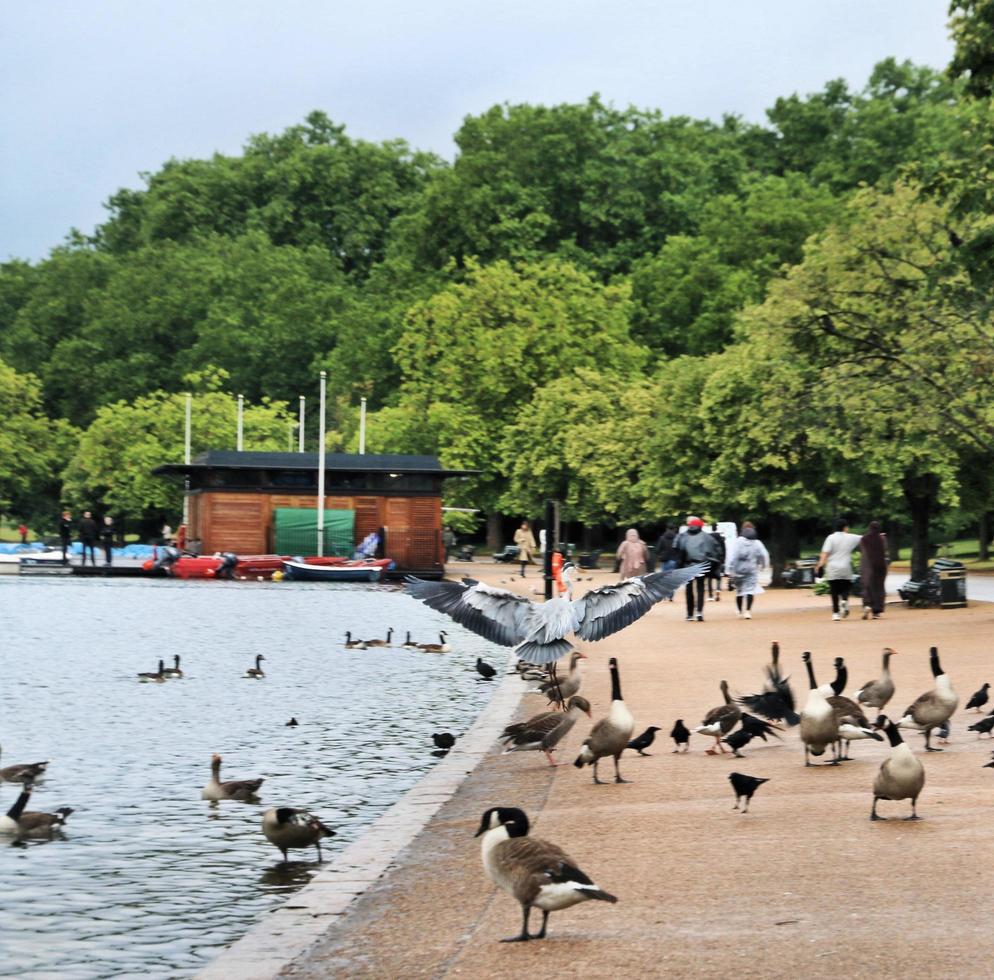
x: 321, y: 423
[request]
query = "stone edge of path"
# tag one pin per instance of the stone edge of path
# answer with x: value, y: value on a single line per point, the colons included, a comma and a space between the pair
x: 289, y: 930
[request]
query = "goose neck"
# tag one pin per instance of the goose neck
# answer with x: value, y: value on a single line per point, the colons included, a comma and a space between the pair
x: 615, y: 682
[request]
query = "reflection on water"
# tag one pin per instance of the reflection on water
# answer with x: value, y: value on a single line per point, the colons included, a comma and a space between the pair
x: 148, y: 878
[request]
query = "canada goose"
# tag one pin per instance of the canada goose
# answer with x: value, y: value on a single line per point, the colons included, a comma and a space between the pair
x: 611, y: 735
x: 538, y: 630
x: 933, y: 707
x: 287, y: 827
x: 876, y: 694
x: 157, y: 678
x: 853, y: 724
x: 744, y: 786
x: 776, y: 701
x: 408, y: 644
x: 818, y: 725
x: 484, y: 669
x: 256, y: 672
x: 441, y: 647
x: 174, y: 671
x: 25, y: 772
x: 27, y: 823
x: 351, y: 644
x: 901, y: 777
x: 545, y: 731
x: 680, y: 736
x: 381, y: 643
x: 537, y: 873
x: 978, y: 699
x: 443, y: 740
x: 720, y: 721
x: 559, y: 691
x: 644, y: 740
x: 243, y: 790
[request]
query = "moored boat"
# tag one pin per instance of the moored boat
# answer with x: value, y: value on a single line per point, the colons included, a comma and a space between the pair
x: 360, y: 570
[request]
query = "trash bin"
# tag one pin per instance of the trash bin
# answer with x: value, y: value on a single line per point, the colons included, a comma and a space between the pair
x: 951, y: 580
x: 800, y: 573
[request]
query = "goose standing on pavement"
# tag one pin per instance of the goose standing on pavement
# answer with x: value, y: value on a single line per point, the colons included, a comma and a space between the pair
x: 933, y: 708
x: 545, y: 731
x: 24, y: 772
x: 611, y: 735
x: 537, y: 873
x: 719, y: 721
x: 537, y: 630
x: 978, y: 699
x: 776, y: 702
x: 27, y: 823
x: 560, y: 691
x: 853, y: 724
x: 286, y: 827
x: 876, y: 694
x: 819, y: 729
x: 243, y: 790
x: 901, y: 777
x: 256, y: 672
x: 174, y: 671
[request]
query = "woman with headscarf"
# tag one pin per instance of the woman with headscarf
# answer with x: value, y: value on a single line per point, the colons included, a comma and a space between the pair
x: 743, y: 565
x: 873, y: 569
x: 632, y: 555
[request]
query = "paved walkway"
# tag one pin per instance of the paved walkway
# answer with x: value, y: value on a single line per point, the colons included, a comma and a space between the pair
x: 803, y: 886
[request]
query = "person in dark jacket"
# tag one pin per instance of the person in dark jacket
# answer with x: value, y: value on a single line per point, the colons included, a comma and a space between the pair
x: 88, y: 537
x: 65, y: 534
x: 693, y: 546
x: 665, y: 555
x: 107, y: 538
x: 717, y: 566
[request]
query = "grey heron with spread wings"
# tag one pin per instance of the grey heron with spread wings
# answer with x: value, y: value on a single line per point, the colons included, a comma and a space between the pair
x: 538, y: 630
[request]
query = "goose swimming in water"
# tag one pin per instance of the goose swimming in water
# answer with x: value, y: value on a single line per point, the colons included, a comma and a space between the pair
x: 537, y: 873
x: 157, y: 678
x: 256, y: 672
x: 901, y: 777
x: 611, y: 735
x: 537, y: 630
x: 441, y: 647
x: 27, y: 823
x: 24, y: 772
x: 933, y: 708
x: 351, y: 644
x: 243, y: 790
x: 408, y: 644
x: 381, y: 643
x: 286, y: 827
x: 174, y: 671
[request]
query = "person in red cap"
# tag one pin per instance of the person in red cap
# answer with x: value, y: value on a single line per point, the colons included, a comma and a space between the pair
x: 693, y: 546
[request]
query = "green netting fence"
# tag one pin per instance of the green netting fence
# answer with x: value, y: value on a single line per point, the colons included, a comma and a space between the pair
x: 296, y: 531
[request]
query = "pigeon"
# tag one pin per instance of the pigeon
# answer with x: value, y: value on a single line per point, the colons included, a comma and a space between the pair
x: 983, y: 726
x: 744, y: 787
x: 484, y: 669
x: 680, y: 735
x: 738, y: 739
x: 292, y: 723
x: 644, y: 740
x: 979, y: 698
x: 443, y: 740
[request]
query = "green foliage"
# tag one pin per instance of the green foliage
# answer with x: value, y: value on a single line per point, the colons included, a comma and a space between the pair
x: 113, y: 463
x: 971, y: 25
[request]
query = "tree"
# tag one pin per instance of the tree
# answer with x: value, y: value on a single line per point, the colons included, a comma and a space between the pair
x: 33, y: 449
x: 971, y: 26
x: 112, y: 466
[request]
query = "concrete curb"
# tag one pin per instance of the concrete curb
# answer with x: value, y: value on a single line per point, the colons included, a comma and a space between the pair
x: 289, y: 930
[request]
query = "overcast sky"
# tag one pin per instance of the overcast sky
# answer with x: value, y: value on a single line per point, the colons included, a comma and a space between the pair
x: 95, y: 93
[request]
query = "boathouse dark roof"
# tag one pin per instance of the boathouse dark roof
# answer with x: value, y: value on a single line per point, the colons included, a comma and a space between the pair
x: 226, y: 459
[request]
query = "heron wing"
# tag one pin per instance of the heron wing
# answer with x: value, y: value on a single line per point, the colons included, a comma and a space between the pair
x: 610, y: 608
x: 496, y: 614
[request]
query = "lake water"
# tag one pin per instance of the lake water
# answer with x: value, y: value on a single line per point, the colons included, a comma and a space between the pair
x: 150, y: 880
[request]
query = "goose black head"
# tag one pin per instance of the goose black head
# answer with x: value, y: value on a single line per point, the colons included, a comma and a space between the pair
x: 285, y: 814
x: 513, y: 819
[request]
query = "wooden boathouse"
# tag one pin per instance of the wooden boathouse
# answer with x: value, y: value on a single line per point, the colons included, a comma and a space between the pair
x: 256, y: 502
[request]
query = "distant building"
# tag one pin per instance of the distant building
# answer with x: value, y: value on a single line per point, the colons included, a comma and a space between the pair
x: 266, y: 503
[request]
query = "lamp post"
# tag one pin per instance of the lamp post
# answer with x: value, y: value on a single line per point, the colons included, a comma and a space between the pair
x: 300, y: 426
x: 186, y: 461
x: 241, y: 412
x: 362, y: 426
x: 324, y: 382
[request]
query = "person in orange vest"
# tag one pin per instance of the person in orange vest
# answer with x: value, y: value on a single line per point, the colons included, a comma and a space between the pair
x: 557, y: 570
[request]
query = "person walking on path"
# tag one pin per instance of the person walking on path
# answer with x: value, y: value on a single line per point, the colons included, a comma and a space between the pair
x: 748, y: 556
x: 873, y: 569
x: 88, y: 537
x: 22, y: 530
x: 448, y: 541
x: 632, y: 555
x: 557, y: 570
x: 693, y: 546
x: 525, y: 541
x: 65, y: 534
x: 665, y: 554
x: 107, y: 538
x: 836, y: 560
x: 717, y: 566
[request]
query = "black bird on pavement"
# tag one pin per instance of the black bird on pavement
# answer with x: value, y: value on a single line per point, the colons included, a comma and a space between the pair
x: 738, y: 739
x: 484, y: 669
x: 292, y: 723
x: 979, y: 698
x: 644, y: 740
x: 984, y: 726
x: 443, y: 740
x: 757, y: 727
x: 744, y: 787
x: 680, y: 735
